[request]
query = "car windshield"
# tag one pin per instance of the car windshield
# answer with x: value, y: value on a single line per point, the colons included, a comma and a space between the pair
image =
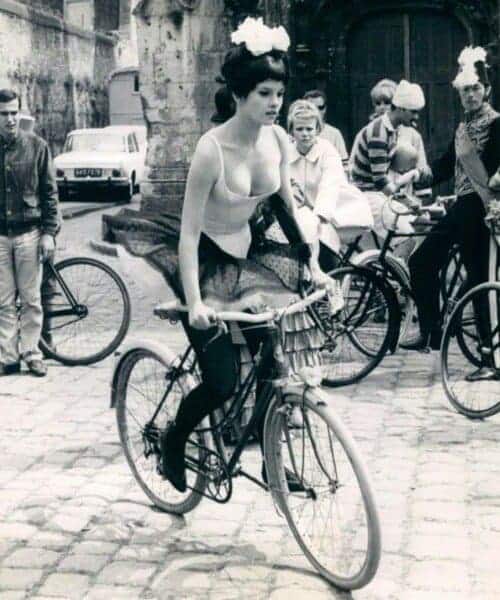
x: 93, y: 142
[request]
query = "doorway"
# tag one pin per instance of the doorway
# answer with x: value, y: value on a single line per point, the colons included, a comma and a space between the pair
x: 419, y: 46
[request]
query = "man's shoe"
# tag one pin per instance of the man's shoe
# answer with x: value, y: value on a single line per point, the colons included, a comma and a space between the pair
x: 172, y: 465
x: 10, y: 369
x: 483, y: 374
x: 423, y: 343
x: 419, y: 343
x: 294, y: 484
x: 37, y: 367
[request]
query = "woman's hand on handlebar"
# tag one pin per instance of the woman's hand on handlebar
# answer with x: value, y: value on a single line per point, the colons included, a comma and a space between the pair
x: 202, y: 316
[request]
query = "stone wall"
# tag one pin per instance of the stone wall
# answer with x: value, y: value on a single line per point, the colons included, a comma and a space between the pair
x: 107, y: 15
x: 52, y: 6
x: 60, y: 71
x: 180, y: 52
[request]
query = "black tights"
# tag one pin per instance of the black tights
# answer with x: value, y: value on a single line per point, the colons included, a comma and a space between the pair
x: 464, y: 224
x: 219, y: 364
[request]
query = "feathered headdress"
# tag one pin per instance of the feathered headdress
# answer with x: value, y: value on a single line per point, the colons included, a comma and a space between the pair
x: 472, y: 67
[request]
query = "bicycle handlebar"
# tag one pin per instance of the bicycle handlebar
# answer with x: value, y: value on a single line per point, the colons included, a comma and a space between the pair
x: 437, y: 208
x: 170, y: 310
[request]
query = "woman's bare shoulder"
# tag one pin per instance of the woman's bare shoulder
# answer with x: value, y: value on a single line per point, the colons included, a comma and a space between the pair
x: 206, y: 159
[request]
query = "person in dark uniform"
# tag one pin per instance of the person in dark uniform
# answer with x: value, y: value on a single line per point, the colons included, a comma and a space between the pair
x: 472, y: 159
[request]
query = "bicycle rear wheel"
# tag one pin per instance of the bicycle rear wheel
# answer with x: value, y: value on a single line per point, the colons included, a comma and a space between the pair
x: 142, y: 383
x: 88, y: 315
x: 335, y: 520
x: 356, y: 338
x: 460, y: 352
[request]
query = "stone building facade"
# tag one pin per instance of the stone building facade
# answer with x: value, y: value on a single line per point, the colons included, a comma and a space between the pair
x: 181, y: 44
x: 59, y: 70
x: 340, y: 47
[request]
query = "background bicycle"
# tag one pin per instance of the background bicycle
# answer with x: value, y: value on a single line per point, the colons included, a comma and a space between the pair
x: 463, y: 347
x: 88, y: 313
x: 395, y: 271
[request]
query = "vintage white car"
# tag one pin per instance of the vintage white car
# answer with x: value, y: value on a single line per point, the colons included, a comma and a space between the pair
x: 110, y: 159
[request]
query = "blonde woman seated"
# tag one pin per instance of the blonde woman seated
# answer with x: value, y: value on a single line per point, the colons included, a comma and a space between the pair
x: 329, y: 204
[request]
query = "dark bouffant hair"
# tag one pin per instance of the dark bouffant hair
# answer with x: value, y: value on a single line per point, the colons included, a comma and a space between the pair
x: 224, y: 105
x: 243, y: 71
x: 482, y: 72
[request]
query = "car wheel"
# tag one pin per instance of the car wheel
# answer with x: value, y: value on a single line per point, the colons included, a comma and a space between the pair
x: 125, y: 194
x: 135, y: 184
x: 63, y: 194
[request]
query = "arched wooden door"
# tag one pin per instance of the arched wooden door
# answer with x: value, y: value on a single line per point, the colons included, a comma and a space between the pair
x: 420, y: 46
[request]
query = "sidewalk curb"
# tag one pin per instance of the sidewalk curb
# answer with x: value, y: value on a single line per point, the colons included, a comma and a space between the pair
x: 103, y: 247
x: 70, y: 212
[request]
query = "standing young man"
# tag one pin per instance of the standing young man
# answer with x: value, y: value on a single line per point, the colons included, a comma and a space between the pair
x: 29, y: 222
x: 471, y: 160
x: 328, y: 132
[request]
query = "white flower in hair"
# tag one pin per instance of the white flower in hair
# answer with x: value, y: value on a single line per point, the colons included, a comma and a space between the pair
x: 467, y: 73
x: 471, y: 55
x: 259, y: 38
x: 281, y: 41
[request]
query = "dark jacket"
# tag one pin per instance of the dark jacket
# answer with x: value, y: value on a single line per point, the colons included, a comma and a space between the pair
x: 29, y: 186
x: 443, y: 168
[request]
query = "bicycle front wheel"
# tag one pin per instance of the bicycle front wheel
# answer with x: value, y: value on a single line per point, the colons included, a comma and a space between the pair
x: 460, y: 353
x: 148, y: 394
x: 334, y: 520
x: 88, y: 314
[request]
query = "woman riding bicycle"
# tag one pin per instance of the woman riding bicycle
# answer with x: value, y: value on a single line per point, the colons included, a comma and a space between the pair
x: 234, y: 168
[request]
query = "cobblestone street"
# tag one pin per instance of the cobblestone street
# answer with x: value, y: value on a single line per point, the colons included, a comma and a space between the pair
x: 74, y: 523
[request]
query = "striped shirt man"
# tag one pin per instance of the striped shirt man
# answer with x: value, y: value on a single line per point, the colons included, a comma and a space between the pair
x: 371, y: 154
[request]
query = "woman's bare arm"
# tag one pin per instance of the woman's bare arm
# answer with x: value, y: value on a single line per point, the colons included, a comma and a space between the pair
x: 201, y: 178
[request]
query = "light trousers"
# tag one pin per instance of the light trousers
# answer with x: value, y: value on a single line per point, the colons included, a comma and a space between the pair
x: 20, y: 277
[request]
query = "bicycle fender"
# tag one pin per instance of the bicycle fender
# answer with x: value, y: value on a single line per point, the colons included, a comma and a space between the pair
x: 129, y: 346
x: 316, y: 394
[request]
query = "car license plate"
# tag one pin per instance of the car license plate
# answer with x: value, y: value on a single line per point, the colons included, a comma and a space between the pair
x: 88, y: 172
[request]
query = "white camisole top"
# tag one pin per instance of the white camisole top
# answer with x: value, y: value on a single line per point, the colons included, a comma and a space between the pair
x: 227, y: 214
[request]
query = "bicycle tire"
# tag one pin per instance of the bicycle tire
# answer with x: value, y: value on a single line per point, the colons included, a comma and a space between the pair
x: 326, y: 481
x: 354, y: 344
x: 466, y: 340
x: 399, y: 279
x: 145, y: 469
x: 446, y: 275
x: 88, y: 338
x: 478, y: 399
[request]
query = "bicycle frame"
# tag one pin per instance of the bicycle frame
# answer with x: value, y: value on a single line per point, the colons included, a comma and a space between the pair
x: 76, y: 309
x: 271, y: 349
x: 388, y: 272
x: 231, y: 462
